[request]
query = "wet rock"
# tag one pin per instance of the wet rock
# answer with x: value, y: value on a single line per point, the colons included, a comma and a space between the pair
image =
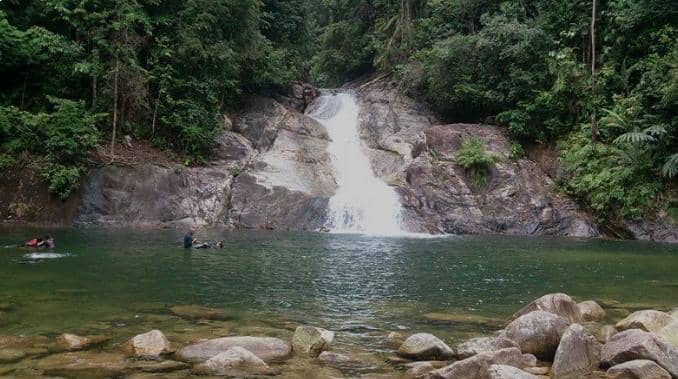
x: 647, y: 320
x: 344, y: 363
x: 266, y: 348
x: 670, y: 332
x: 84, y: 364
x: 151, y: 343
x: 198, y: 312
x: 508, y: 372
x: 236, y: 361
x: 155, y: 366
x: 537, y: 333
x: 577, y: 355
x: 559, y: 304
x: 638, y: 369
x: 418, y: 370
x: 72, y: 342
x: 425, y: 346
x: 478, y: 365
x: 11, y: 355
x: 311, y: 341
x: 635, y: 344
x: 483, y: 345
x: 395, y: 339
x: 591, y: 311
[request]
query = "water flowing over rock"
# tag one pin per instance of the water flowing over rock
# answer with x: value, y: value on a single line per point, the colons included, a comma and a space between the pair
x: 638, y: 369
x: 537, y: 333
x: 425, y: 346
x: 559, y: 304
x: 635, y: 344
x: 647, y: 320
x: 267, y: 348
x: 577, y: 355
x: 151, y: 343
x: 477, y: 367
x: 311, y: 341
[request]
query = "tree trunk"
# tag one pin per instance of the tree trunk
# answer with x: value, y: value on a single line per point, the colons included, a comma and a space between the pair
x: 594, y: 126
x: 94, y: 92
x: 155, y: 113
x: 115, y: 105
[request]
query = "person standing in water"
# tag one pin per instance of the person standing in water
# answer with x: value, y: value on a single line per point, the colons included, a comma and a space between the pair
x: 188, y: 239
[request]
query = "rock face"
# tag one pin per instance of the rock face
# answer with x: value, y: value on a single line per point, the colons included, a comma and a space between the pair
x: 311, y: 341
x: 424, y: 346
x: 537, y: 333
x: 578, y: 354
x: 559, y: 304
x: 638, y: 369
x: 647, y: 320
x: 635, y: 344
x: 234, y: 362
x: 152, y: 343
x: 483, y: 345
x: 591, y: 311
x: 266, y: 348
x: 479, y: 365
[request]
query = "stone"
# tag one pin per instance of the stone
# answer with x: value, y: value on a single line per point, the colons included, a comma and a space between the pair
x: 483, y: 345
x: 537, y: 333
x: 635, y: 344
x: 11, y: 355
x: 591, y: 311
x: 637, y: 369
x: 199, y: 312
x: 538, y: 370
x: 395, y: 339
x: 83, y: 364
x: 236, y: 361
x: 559, y: 304
x: 647, y: 320
x: 478, y: 365
x: 72, y: 342
x: 509, y: 372
x: 266, y: 348
x: 674, y: 312
x: 162, y: 366
x: 670, y: 332
x: 577, y: 355
x: 311, y: 341
x: 151, y: 343
x: 418, y: 370
x: 425, y: 346
x: 606, y: 332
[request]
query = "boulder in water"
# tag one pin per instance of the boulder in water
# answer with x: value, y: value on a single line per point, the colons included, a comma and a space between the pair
x: 577, y: 355
x: 537, y: 333
x: 559, y: 304
x: 72, y: 342
x: 591, y: 311
x: 483, y: 345
x: 11, y: 355
x: 647, y: 320
x: 199, y: 312
x: 152, y: 343
x: 266, y: 348
x: 638, y: 369
x: 234, y: 362
x: 311, y: 341
x: 425, y: 346
x: 478, y: 365
x: 84, y: 364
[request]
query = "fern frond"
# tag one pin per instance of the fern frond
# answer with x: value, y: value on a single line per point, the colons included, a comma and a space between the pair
x: 634, y: 138
x: 670, y: 168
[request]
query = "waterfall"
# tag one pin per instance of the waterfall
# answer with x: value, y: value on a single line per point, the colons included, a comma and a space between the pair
x: 363, y: 203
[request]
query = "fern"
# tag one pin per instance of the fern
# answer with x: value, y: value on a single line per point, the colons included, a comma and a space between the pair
x: 634, y: 138
x: 670, y: 167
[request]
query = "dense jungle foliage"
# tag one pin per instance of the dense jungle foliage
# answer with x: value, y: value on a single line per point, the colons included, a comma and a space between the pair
x: 76, y: 74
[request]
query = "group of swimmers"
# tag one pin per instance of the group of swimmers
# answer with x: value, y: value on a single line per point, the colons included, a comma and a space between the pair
x: 191, y: 242
x: 47, y: 242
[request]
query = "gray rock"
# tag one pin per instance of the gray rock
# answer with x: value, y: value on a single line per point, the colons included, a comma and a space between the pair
x: 395, y: 339
x: 151, y: 343
x: 267, y: 348
x: 418, y: 370
x: 425, y: 346
x: 537, y: 333
x: 647, y: 320
x: 509, y: 372
x: 635, y: 344
x: 311, y: 341
x: 236, y: 361
x: 591, y: 311
x: 577, y: 355
x: 638, y: 369
x: 232, y: 147
x: 601, y: 332
x: 72, y: 342
x: 670, y: 332
x: 559, y: 304
x: 483, y: 345
x: 478, y: 365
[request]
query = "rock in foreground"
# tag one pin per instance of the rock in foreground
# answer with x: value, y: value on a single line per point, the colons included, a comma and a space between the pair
x: 425, y: 346
x: 537, y: 333
x: 635, y: 344
x: 311, y: 341
x: 478, y: 366
x: 234, y: 362
x: 591, y: 311
x: 152, y: 343
x: 559, y: 304
x: 647, y: 320
x: 638, y: 369
x: 266, y: 348
x: 577, y: 355
x: 483, y: 345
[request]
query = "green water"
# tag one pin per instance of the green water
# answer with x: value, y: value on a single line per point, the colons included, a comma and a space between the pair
x: 122, y: 280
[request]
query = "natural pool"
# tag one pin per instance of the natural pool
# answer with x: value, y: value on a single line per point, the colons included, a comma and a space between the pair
x: 122, y: 282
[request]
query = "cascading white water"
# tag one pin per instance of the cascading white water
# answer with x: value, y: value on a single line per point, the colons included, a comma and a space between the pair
x: 363, y: 203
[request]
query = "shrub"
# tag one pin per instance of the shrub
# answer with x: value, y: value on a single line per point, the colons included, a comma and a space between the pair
x: 475, y: 160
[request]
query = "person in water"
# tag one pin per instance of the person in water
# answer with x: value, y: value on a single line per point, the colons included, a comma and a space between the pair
x: 35, y: 242
x: 191, y: 242
x: 49, y: 242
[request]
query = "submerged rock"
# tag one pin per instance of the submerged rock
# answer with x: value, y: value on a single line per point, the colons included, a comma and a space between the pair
x: 72, y: 342
x: 311, y: 341
x: 197, y: 312
x: 537, y: 333
x: 577, y: 355
x: 425, y: 346
x: 152, y: 343
x: 236, y: 361
x: 478, y: 365
x: 591, y: 311
x: 647, y: 320
x: 84, y: 364
x: 161, y: 366
x: 483, y: 345
x: 267, y: 348
x: 11, y: 355
x: 635, y: 344
x: 395, y: 339
x: 638, y: 369
x: 559, y: 304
